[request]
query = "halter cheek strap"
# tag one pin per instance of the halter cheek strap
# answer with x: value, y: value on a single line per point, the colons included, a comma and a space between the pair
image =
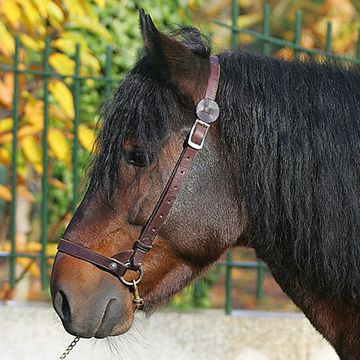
x: 207, y: 112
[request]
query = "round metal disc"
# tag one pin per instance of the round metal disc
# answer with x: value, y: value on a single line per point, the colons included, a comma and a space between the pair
x: 207, y: 110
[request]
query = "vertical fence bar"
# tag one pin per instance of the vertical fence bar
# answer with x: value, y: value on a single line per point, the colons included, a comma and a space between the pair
x: 44, y: 179
x: 229, y: 257
x: 298, y: 29
x: 197, y: 294
x: 14, y: 165
x: 108, y: 69
x: 329, y: 39
x: 75, y: 157
x: 260, y: 279
x: 228, y: 299
x: 266, y: 29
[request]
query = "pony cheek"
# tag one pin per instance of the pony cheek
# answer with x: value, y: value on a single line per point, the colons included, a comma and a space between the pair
x: 157, y: 287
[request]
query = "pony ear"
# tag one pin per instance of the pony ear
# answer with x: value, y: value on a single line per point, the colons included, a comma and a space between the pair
x: 149, y: 32
x: 173, y: 60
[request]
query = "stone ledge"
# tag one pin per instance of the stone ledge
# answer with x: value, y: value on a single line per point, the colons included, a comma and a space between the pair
x: 34, y: 332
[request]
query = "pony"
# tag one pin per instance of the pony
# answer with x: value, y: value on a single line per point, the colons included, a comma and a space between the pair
x: 279, y: 172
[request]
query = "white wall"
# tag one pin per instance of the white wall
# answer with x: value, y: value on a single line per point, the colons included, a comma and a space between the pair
x: 29, y: 332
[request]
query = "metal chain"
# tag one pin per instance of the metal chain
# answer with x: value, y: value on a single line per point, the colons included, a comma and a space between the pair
x: 69, y: 348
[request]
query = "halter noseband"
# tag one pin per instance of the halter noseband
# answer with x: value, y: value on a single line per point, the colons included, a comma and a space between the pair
x: 207, y: 112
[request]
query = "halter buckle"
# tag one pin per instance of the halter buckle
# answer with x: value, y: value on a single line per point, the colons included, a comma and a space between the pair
x: 198, y: 124
x: 137, y: 281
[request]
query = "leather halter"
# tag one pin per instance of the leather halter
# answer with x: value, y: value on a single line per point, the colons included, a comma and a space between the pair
x: 207, y: 112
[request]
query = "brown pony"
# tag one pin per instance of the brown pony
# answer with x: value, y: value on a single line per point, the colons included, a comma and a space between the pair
x: 279, y: 172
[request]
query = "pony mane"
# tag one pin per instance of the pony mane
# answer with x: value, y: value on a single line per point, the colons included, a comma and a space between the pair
x: 294, y: 130
x: 144, y: 107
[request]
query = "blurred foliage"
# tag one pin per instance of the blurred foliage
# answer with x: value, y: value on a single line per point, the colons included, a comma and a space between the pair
x: 344, y: 15
x: 198, y: 294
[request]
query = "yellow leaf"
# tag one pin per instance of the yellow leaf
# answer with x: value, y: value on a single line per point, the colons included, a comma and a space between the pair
x: 69, y: 45
x: 7, y: 44
x: 23, y: 171
x: 34, y: 113
x: 32, y: 150
x: 5, y: 138
x: 62, y: 64
x: 74, y: 8
x: 6, y: 88
x: 6, y: 125
x: 59, y: 145
x: 11, y: 12
x: 30, y: 12
x: 63, y: 97
x: 91, y: 61
x: 27, y: 130
x: 5, y: 156
x: 32, y: 43
x: 24, y: 131
x: 86, y: 137
x: 55, y: 15
x: 41, y: 6
x: 5, y: 193
x: 88, y: 9
x: 65, y: 45
x: 38, y: 168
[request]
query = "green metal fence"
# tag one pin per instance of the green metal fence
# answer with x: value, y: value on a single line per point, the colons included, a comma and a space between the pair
x: 46, y: 74
x: 268, y: 42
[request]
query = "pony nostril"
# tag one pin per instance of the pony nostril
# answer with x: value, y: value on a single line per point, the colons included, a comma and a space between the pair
x: 65, y: 307
x: 62, y: 306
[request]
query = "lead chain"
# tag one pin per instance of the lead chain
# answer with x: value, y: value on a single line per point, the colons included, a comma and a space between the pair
x: 69, y: 348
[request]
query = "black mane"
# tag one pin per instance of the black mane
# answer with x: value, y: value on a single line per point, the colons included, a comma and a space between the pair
x: 144, y: 107
x: 293, y: 130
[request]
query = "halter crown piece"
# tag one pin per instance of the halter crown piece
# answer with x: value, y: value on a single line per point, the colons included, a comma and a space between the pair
x: 207, y: 112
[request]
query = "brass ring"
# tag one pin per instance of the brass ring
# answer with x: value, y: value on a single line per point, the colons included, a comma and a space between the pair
x: 130, y: 283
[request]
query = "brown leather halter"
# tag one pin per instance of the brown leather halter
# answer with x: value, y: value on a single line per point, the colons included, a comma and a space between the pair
x: 207, y: 112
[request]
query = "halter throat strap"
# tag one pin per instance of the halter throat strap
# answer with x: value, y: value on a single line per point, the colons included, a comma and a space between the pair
x: 207, y: 112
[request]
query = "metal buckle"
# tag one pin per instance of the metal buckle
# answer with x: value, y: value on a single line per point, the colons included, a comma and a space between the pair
x: 193, y: 144
x: 131, y: 283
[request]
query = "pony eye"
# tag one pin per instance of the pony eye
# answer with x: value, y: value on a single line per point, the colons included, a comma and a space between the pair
x: 138, y: 157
